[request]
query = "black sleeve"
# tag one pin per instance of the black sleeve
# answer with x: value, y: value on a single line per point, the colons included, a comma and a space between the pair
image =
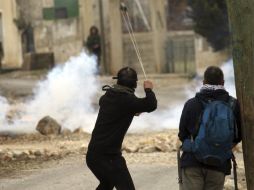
x: 183, y: 131
x: 237, y: 113
x: 140, y: 105
x: 190, y: 119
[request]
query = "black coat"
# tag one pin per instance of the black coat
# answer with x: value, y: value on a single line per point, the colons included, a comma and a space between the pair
x: 117, y: 109
x: 190, y: 118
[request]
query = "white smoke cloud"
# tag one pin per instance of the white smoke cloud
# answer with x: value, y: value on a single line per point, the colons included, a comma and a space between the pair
x: 65, y: 95
x: 228, y: 70
x: 67, y: 92
x: 170, y: 118
x: 4, y: 107
x: 158, y: 120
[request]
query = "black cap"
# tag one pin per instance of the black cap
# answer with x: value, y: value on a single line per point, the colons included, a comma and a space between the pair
x: 127, y: 77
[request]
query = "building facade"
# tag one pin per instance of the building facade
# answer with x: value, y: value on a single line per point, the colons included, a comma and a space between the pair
x: 162, y: 28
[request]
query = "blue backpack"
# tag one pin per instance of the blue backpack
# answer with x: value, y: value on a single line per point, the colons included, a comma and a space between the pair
x: 214, y: 141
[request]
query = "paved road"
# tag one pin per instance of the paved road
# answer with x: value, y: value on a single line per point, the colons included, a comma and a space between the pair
x: 76, y: 176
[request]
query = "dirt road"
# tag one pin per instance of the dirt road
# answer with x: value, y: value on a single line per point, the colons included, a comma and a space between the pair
x: 71, y: 175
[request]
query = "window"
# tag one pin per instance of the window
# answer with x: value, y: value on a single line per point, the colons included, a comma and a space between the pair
x: 61, y: 13
x: 178, y: 13
x: 62, y: 9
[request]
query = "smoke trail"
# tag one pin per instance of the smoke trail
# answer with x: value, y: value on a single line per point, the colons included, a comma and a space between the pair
x: 65, y: 95
x: 228, y: 70
x: 4, y: 107
x: 170, y: 118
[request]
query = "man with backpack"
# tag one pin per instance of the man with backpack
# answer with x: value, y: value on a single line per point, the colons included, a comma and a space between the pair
x: 210, y: 127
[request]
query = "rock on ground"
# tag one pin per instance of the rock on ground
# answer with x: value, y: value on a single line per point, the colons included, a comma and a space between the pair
x: 48, y: 126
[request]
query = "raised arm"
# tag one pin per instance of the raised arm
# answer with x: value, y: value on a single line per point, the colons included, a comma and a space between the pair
x: 146, y: 104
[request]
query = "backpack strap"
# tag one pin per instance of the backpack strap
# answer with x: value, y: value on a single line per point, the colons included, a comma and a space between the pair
x: 198, y: 122
x: 180, y: 177
x: 235, y: 172
x: 232, y: 103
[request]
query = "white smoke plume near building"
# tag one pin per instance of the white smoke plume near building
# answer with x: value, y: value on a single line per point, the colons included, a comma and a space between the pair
x: 4, y: 107
x: 67, y: 92
x: 229, y: 77
x: 65, y: 95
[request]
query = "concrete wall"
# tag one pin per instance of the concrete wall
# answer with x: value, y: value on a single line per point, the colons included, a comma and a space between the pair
x: 63, y: 37
x: 11, y: 35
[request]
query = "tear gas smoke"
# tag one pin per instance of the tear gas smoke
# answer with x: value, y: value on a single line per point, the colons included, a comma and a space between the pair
x: 4, y: 107
x: 170, y: 118
x: 67, y: 93
x: 229, y: 77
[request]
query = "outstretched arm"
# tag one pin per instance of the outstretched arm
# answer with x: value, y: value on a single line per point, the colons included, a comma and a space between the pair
x: 146, y: 104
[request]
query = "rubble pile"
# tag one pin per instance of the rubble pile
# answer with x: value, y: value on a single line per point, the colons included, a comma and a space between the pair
x: 149, y: 143
x: 37, y: 146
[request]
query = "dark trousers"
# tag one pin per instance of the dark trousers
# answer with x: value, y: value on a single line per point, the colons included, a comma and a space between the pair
x: 196, y: 178
x: 111, y: 171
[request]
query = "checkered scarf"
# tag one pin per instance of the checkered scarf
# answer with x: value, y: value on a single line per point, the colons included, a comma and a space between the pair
x: 211, y: 87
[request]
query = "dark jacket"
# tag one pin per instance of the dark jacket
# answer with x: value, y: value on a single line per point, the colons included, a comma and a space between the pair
x: 117, y: 109
x: 189, y: 121
x: 94, y: 44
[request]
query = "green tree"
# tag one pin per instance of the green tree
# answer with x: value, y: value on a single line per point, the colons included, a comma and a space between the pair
x: 211, y: 21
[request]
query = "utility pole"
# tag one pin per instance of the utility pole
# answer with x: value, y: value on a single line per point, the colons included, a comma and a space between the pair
x: 241, y: 16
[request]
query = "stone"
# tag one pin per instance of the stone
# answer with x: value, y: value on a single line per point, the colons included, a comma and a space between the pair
x: 37, y: 153
x: 7, y: 157
x: 20, y: 155
x: 48, y: 126
x: 66, y: 132
x: 148, y: 149
x: 2, y: 153
x: 130, y: 149
x: 31, y: 157
x: 83, y: 150
x: 54, y: 155
x: 163, y: 147
x: 78, y: 131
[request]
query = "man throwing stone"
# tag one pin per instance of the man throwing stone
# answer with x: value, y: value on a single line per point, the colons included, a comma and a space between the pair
x: 118, y: 106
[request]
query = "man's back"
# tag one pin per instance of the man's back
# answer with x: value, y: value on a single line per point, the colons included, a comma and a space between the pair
x: 189, y: 124
x: 117, y: 109
x: 196, y: 174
